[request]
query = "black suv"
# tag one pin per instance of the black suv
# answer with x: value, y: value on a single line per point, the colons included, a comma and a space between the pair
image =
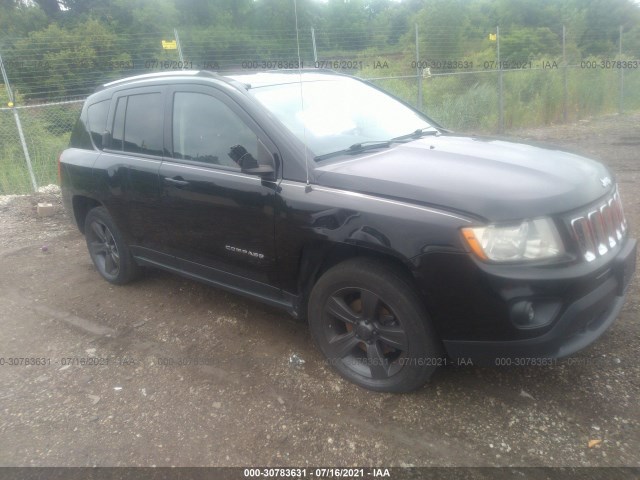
x: 404, y: 245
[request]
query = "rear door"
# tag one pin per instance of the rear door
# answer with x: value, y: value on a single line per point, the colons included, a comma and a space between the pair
x: 219, y: 220
x: 129, y: 168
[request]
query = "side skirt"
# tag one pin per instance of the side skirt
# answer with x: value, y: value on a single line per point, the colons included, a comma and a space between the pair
x: 287, y: 301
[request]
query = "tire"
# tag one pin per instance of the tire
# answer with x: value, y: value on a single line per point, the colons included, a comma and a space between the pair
x: 108, y: 251
x: 369, y: 323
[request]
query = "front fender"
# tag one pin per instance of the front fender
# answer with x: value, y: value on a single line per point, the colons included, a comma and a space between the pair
x: 322, y: 216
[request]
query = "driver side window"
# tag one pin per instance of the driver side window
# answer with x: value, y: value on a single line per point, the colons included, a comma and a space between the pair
x: 206, y: 130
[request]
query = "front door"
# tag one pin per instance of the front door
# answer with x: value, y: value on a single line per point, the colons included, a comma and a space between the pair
x: 220, y: 221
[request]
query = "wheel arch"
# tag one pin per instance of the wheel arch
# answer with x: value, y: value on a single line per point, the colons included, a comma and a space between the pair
x: 318, y: 259
x: 81, y: 206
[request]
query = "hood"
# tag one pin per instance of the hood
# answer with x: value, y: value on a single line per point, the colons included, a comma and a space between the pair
x: 494, y: 179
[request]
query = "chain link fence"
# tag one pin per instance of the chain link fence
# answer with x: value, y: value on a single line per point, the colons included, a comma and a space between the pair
x: 492, y: 92
x: 46, y: 131
x: 498, y: 91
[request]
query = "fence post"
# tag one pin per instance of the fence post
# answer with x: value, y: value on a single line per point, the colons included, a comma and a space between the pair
x: 315, y: 51
x: 177, y: 39
x: 500, y: 86
x: 621, y: 74
x: 418, y: 73
x: 18, y: 125
x: 565, y: 100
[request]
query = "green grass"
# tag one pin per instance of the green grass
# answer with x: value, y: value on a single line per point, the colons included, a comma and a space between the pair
x: 47, y: 131
x: 14, y: 174
x: 469, y: 102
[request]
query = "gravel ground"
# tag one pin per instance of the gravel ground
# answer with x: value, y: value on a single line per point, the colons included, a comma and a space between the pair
x: 241, y: 401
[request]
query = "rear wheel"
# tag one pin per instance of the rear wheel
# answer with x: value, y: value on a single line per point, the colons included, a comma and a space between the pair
x: 107, y: 249
x: 372, y: 328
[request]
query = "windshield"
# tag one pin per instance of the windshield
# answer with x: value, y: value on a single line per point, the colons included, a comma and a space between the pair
x: 338, y: 114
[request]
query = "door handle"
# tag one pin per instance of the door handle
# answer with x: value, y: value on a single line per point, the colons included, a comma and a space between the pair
x: 176, y: 181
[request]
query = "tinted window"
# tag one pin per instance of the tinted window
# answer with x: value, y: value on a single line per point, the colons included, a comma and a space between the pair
x: 118, y: 124
x: 80, y: 135
x: 98, y: 121
x: 206, y: 130
x: 143, y: 124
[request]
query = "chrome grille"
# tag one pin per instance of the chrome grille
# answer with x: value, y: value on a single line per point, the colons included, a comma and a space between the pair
x: 600, y: 228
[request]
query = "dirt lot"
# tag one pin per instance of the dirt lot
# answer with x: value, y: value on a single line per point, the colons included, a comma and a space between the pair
x: 244, y: 403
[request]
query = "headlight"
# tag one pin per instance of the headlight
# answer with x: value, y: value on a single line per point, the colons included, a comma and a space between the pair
x: 530, y: 240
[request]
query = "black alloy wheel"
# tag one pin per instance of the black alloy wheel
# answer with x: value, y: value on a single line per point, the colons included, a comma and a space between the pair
x: 108, y: 251
x: 372, y: 328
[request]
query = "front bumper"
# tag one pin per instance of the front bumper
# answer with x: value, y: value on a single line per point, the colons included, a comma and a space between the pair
x: 589, y: 304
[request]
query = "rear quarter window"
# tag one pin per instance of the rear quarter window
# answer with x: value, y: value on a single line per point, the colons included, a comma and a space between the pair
x: 98, y: 121
x: 80, y: 134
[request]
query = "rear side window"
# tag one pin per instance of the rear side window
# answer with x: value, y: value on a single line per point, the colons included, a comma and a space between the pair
x: 138, y: 123
x: 98, y: 121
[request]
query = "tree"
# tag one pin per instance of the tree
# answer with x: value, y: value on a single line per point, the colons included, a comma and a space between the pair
x: 62, y: 62
x: 50, y: 7
x: 520, y: 44
x: 602, y: 21
x: 18, y: 18
x: 442, y: 24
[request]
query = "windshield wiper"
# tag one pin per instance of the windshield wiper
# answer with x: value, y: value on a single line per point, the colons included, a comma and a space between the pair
x: 356, y: 148
x: 421, y: 132
x: 373, y: 144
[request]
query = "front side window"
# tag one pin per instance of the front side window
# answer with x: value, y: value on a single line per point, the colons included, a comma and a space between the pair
x: 206, y: 130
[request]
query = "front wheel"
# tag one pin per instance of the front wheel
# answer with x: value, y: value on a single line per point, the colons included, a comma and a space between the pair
x: 372, y: 328
x: 108, y: 251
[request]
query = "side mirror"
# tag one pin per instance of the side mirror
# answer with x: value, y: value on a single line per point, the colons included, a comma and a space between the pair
x: 249, y: 165
x: 261, y: 170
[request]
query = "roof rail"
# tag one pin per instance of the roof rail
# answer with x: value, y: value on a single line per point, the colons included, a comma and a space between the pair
x: 148, y: 75
x: 208, y: 73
